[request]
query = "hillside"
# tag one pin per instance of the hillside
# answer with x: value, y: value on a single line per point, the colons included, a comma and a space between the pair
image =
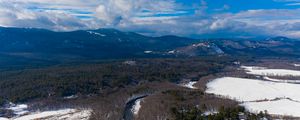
x: 21, y: 46
x: 101, y: 43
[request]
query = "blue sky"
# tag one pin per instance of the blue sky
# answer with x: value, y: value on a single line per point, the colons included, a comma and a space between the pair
x: 191, y: 18
x: 240, y: 5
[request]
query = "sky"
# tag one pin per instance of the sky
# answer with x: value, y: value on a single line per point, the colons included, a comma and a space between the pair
x: 189, y: 18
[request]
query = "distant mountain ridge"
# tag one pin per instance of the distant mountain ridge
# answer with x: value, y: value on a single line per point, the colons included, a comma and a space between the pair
x: 21, y: 45
x: 101, y: 43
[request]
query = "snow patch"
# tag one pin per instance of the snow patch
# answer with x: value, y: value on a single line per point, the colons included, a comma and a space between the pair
x: 71, y: 97
x: 120, y: 40
x: 148, y: 52
x: 282, y: 81
x: 201, y: 44
x: 171, y: 52
x: 20, y: 109
x: 190, y: 85
x: 211, y: 112
x: 270, y: 72
x: 136, y: 107
x: 297, y: 65
x: 65, y: 114
x: 130, y: 62
x: 95, y: 33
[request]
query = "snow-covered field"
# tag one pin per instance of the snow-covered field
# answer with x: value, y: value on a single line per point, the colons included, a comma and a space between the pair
x: 270, y: 72
x: 278, y: 107
x: 64, y: 114
x: 189, y: 85
x: 250, y: 91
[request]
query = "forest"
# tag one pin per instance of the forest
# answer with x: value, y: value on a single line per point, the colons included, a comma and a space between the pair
x: 117, y: 80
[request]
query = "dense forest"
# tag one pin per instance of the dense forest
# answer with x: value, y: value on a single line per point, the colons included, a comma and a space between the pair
x: 117, y: 80
x: 87, y: 79
x: 233, y: 113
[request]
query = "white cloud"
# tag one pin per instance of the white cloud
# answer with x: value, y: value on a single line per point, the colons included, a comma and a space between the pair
x: 280, y: 22
x: 78, y: 14
x: 16, y: 15
x: 289, y: 2
x: 151, y: 17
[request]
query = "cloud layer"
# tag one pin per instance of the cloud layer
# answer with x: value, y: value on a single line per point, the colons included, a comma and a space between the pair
x: 155, y: 17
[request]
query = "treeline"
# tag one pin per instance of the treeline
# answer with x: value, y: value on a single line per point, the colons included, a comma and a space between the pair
x: 2, y: 101
x: 89, y: 79
x: 233, y: 113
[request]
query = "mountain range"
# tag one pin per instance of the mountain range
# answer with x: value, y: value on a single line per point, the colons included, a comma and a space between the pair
x: 21, y: 46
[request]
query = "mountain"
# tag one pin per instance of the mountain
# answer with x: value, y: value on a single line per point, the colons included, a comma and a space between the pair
x: 38, y: 46
x: 269, y: 47
x: 48, y: 46
x: 102, y: 43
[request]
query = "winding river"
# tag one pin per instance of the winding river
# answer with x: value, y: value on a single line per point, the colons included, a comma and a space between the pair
x: 128, y: 113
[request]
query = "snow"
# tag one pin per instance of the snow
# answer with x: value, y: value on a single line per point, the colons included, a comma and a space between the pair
x: 282, y: 81
x: 95, y: 33
x: 297, y: 65
x: 147, y: 52
x: 257, y: 95
x: 201, y: 44
x: 218, y: 50
x: 136, y: 107
x: 237, y: 63
x: 270, y: 72
x: 130, y: 62
x: 18, y: 109
x: 279, y: 107
x: 65, y: 114
x: 212, y: 112
x: 120, y: 40
x: 171, y: 52
x: 1, y: 118
x: 190, y: 85
x: 252, y: 90
x: 83, y: 115
x: 71, y: 97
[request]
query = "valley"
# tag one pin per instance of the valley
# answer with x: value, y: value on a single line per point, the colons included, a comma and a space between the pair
x: 149, y: 59
x: 166, y: 91
x: 145, y: 78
